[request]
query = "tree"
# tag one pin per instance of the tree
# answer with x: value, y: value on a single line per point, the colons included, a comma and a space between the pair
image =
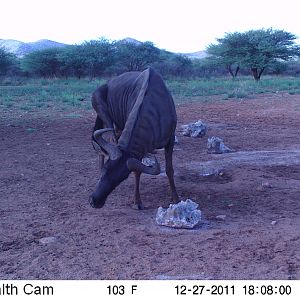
x: 293, y: 68
x: 207, y: 68
x: 72, y: 61
x: 171, y: 64
x: 228, y: 52
x: 7, y: 61
x: 99, y: 56
x: 132, y: 56
x: 263, y: 48
x: 255, y: 49
x: 42, y: 63
x: 91, y: 58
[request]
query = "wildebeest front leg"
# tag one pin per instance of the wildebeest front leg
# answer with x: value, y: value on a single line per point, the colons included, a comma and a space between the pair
x: 169, y: 168
x: 137, y: 197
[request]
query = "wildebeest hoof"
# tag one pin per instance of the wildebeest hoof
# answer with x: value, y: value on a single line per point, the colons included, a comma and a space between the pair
x: 94, y: 204
x: 138, y: 206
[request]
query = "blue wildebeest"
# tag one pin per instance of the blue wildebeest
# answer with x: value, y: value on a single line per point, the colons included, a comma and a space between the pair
x: 138, y: 114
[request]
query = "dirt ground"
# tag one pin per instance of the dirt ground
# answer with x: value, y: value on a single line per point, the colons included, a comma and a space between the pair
x: 49, y: 231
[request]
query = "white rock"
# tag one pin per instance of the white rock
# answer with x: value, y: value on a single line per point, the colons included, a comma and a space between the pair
x: 176, y: 141
x: 197, y: 129
x: 266, y: 185
x: 221, y: 217
x: 48, y: 240
x: 216, y: 145
x: 273, y: 223
x: 181, y: 215
x: 148, y: 160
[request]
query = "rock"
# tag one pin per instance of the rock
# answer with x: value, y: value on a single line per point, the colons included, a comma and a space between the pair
x: 176, y: 141
x: 148, y: 160
x: 48, y: 240
x: 273, y: 223
x: 197, y: 129
x: 215, y: 145
x: 207, y: 172
x: 266, y: 185
x: 181, y: 215
x: 221, y: 217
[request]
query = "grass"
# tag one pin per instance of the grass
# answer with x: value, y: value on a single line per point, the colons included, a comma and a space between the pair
x: 41, y: 94
x: 60, y: 94
x: 243, y: 87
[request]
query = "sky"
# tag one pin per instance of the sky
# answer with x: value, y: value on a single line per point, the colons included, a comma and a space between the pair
x: 175, y: 25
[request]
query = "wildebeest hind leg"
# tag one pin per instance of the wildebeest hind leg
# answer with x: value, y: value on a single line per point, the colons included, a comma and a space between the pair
x: 169, y: 168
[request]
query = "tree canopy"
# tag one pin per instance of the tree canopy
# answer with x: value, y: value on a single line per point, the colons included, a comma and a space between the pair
x: 102, y: 57
x: 42, y: 63
x: 254, y: 49
x: 135, y: 56
x: 7, y: 61
x: 228, y: 52
x: 240, y: 52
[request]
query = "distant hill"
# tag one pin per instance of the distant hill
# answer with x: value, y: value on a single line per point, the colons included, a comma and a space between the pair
x: 21, y: 49
x: 193, y: 55
x: 130, y: 40
x: 196, y: 55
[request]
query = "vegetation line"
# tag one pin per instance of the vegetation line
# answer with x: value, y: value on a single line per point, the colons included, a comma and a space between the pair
x: 255, y: 52
x: 61, y: 94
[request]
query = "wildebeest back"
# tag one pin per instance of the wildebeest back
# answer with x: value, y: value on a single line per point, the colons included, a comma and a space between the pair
x: 145, y: 111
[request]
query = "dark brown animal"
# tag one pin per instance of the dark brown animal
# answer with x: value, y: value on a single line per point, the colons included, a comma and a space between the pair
x: 138, y: 112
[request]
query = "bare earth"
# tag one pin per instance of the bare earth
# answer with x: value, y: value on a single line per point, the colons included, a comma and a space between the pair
x: 48, y: 169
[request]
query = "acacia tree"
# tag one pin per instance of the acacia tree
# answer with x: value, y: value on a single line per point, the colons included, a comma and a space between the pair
x: 42, y: 63
x: 255, y: 49
x: 264, y: 48
x: 171, y: 64
x: 73, y: 61
x: 7, y: 61
x: 135, y: 56
x: 228, y: 52
x: 99, y: 55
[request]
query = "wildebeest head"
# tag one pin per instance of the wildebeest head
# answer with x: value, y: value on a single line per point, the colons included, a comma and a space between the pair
x: 116, y: 169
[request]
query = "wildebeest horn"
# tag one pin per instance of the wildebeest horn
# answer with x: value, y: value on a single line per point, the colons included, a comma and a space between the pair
x: 134, y: 164
x: 112, y: 150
